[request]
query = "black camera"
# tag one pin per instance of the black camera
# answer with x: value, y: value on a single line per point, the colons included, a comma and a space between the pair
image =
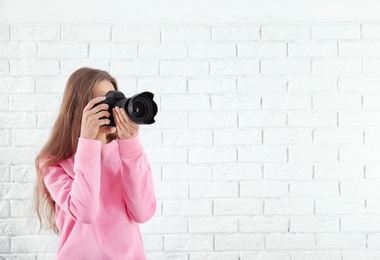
x: 141, y: 107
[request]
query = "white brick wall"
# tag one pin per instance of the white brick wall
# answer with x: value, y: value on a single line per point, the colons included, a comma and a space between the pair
x: 266, y: 145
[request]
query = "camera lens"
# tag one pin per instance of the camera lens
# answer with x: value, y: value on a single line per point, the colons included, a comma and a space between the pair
x: 142, y: 109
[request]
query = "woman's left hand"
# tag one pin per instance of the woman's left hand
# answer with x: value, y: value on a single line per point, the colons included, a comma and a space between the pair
x: 125, y: 127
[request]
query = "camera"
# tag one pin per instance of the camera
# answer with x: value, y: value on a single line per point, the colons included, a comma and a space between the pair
x: 141, y: 107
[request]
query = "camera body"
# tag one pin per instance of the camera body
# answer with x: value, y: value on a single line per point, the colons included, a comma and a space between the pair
x: 141, y: 107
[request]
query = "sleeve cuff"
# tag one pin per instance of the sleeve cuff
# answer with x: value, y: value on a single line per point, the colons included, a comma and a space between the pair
x: 88, y: 147
x: 130, y: 146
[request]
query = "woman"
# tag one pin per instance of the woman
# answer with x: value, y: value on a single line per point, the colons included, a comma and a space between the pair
x: 94, y: 183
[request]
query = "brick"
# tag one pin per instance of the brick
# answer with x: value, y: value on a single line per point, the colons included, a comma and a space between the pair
x: 358, y: 84
x: 171, y: 190
x: 288, y: 136
x: 187, y: 208
x: 339, y: 171
x: 335, y: 32
x: 33, y: 67
x: 17, y: 85
x: 185, y: 33
x: 285, y: 67
x: 18, y: 226
x: 360, y: 224
x: 165, y: 225
x: 313, y: 84
x: 234, y: 67
x: 188, y: 243
x: 36, y: 102
x: 186, y: 172
x: 371, y: 171
x: 5, y: 244
x: 286, y: 171
x: 240, y: 242
x: 215, y: 255
x: 262, y: 154
x: 313, y: 119
x: 135, y: 68
x: 86, y: 33
x: 5, y: 174
x: 263, y: 224
x: 169, y: 120
x: 359, y: 119
x: 263, y: 255
x: 185, y: 103
x: 17, y: 120
x: 338, y: 136
x: 262, y: 119
x: 162, y: 85
x: 153, y: 242
x: 20, y: 208
x: 216, y: 189
x: 285, y: 32
x: 237, y: 207
x: 373, y: 241
x: 237, y: 137
x: 212, y: 120
x: 212, y: 155
x: 5, y: 137
x: 135, y: 34
x: 235, y: 33
x: 5, y: 211
x: 359, y: 49
x: 212, y: 50
x: 184, y: 68
x: 112, y: 51
x: 35, y: 33
x: 261, y: 50
x: 4, y: 32
x: 162, y: 51
x: 18, y: 50
x: 27, y: 244
x: 313, y: 49
x: 4, y: 68
x: 256, y: 84
x: 46, y: 119
x: 314, y: 224
x: 166, y: 155
x: 370, y: 66
x: 371, y: 102
x: 23, y: 173
x: 150, y: 137
x: 370, y: 31
x: 261, y: 189
x: 359, y: 153
x: 349, y: 66
x: 167, y: 256
x: 63, y: 50
x: 289, y: 206
x: 235, y: 102
x: 184, y: 137
x: 290, y: 242
x: 29, y: 137
x: 286, y: 102
x: 314, y: 189
x: 212, y: 224
x: 50, y: 84
x: 360, y: 188
x: 337, y: 102
x: 241, y: 171
x: 212, y: 85
x: 339, y: 206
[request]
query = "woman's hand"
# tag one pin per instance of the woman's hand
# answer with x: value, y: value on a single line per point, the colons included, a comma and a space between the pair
x: 125, y: 127
x: 91, y: 118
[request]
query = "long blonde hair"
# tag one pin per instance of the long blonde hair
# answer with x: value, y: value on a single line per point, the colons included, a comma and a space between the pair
x: 63, y: 140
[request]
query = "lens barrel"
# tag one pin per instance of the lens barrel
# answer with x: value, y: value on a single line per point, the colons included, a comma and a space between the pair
x: 141, y: 107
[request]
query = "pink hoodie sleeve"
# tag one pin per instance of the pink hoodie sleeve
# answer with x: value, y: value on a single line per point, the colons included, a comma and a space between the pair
x: 137, y: 180
x: 78, y: 197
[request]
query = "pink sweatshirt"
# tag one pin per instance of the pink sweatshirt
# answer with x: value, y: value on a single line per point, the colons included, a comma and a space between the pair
x: 101, y: 194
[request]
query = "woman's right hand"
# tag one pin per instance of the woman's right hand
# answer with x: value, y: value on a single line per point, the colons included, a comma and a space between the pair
x: 91, y: 118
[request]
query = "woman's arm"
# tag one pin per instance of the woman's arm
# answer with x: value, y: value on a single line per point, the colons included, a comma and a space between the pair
x: 137, y: 180
x: 78, y: 197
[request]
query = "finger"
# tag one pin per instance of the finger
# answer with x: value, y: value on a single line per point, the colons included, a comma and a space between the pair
x: 101, y: 122
x: 101, y: 114
x: 93, y: 102
x: 119, y: 120
x: 122, y: 119
x: 128, y: 119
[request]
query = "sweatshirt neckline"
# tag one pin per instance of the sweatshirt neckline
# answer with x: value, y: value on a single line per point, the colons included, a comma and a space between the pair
x: 109, y: 145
